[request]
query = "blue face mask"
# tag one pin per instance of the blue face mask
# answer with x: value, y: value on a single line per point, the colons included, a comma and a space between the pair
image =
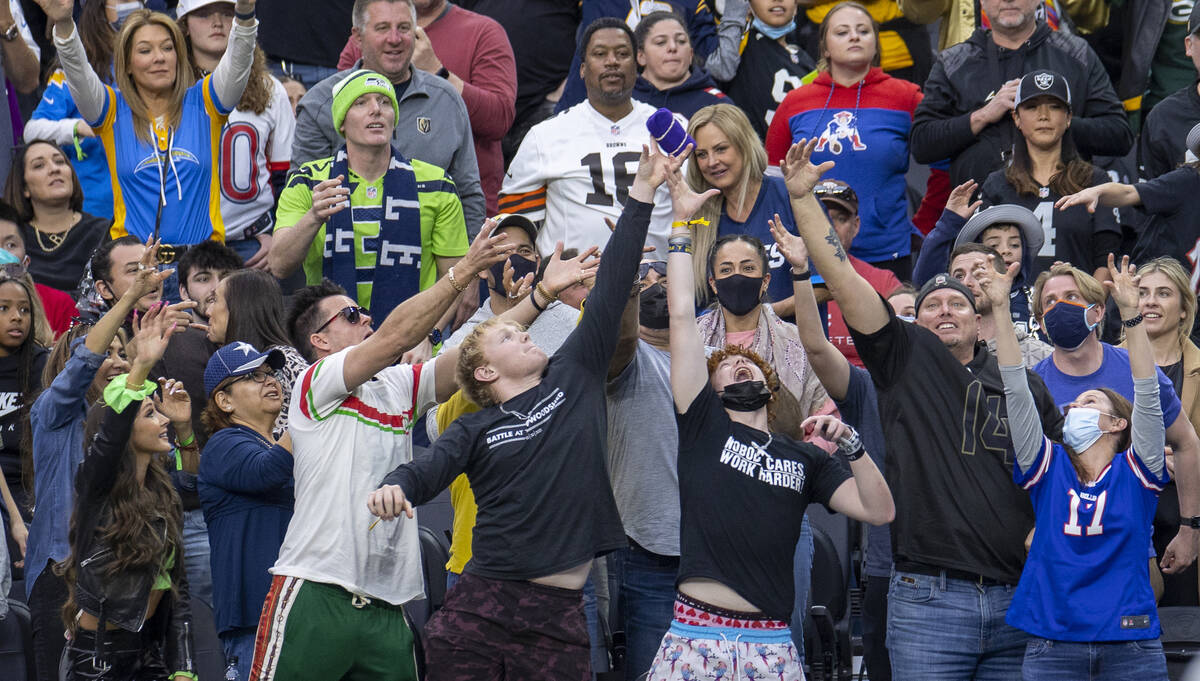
x: 123, y: 10
x: 773, y: 32
x: 1082, y: 428
x: 1066, y: 324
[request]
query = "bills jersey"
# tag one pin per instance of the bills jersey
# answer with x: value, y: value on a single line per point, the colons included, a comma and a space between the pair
x: 180, y: 163
x: 574, y: 170
x: 253, y: 146
x: 1087, y: 576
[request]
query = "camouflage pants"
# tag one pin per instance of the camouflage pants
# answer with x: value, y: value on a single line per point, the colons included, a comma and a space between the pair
x: 492, y: 629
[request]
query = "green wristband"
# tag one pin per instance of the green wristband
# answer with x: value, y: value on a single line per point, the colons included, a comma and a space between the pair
x: 117, y: 395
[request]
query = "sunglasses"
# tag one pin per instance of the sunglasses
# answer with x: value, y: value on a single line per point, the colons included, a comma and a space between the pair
x: 835, y: 192
x: 352, y: 313
x: 657, y: 265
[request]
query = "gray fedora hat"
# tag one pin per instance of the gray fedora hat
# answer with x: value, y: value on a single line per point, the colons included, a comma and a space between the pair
x: 1005, y: 214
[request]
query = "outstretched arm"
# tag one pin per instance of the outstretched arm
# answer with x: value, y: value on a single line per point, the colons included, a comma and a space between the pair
x: 85, y: 86
x: 688, y: 370
x: 829, y: 364
x: 860, y: 304
x: 233, y: 71
x: 866, y: 496
x: 1024, y: 423
x: 1107, y: 194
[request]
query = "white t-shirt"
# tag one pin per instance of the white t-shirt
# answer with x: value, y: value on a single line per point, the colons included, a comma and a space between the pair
x: 574, y: 170
x: 344, y: 444
x: 252, y: 146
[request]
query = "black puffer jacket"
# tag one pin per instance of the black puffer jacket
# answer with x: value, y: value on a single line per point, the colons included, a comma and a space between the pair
x: 121, y: 599
x: 967, y: 75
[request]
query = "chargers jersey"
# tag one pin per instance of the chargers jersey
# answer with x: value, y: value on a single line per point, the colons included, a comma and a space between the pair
x: 181, y: 163
x: 574, y: 170
x: 1087, y: 577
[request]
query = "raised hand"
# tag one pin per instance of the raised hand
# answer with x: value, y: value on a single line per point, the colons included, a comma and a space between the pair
x: 684, y: 201
x: 388, y: 502
x: 57, y: 10
x: 173, y: 401
x: 960, y: 203
x: 148, y: 279
x: 486, y: 250
x: 798, y: 171
x: 1090, y: 198
x: 561, y: 275
x: 1123, y: 286
x: 329, y: 197
x: 151, y: 334
x: 825, y: 426
x: 518, y: 289
x: 996, y: 286
x: 791, y: 245
x: 653, y: 166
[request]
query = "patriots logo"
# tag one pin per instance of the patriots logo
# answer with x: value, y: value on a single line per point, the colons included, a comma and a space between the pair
x: 843, y: 126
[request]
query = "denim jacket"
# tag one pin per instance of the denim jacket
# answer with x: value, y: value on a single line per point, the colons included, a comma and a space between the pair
x: 57, y: 419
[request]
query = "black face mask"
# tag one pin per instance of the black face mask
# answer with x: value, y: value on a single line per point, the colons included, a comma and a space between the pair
x: 521, y: 267
x: 738, y: 293
x: 652, y: 312
x: 745, y: 396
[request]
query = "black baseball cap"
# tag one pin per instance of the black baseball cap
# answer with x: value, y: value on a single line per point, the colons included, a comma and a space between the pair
x: 1043, y: 82
x: 1193, y: 21
x: 504, y: 220
x: 944, y: 280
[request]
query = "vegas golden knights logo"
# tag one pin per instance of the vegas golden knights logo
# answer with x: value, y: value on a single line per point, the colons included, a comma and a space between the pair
x: 423, y: 125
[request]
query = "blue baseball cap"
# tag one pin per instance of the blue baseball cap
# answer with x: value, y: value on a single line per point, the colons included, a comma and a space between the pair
x: 237, y: 359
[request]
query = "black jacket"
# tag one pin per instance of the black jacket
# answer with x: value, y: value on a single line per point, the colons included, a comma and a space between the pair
x: 967, y: 75
x: 1163, y: 144
x: 685, y: 99
x: 121, y: 599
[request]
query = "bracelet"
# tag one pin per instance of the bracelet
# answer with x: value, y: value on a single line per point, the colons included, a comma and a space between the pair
x: 454, y: 282
x: 79, y: 155
x: 245, y: 17
x: 533, y: 300
x: 801, y: 276
x: 1130, y: 323
x: 541, y: 288
x: 680, y: 247
x: 443, y: 73
x: 689, y: 224
x: 191, y: 439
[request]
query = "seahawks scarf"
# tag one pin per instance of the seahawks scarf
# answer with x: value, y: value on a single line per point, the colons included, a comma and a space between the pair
x: 395, y: 252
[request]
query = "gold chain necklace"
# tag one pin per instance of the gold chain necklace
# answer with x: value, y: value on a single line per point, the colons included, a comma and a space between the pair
x: 56, y: 238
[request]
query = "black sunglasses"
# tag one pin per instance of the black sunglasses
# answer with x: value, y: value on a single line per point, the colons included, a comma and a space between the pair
x: 656, y: 265
x: 352, y: 313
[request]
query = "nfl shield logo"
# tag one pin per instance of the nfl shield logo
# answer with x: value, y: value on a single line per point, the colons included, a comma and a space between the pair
x: 1043, y: 80
x: 423, y: 125
x: 616, y: 130
x: 372, y: 192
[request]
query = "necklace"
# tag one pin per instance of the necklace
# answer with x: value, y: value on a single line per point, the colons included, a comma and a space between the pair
x: 258, y: 436
x: 56, y: 238
x: 762, y: 449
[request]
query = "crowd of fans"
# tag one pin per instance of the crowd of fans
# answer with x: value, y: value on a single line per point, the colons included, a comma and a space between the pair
x: 274, y: 273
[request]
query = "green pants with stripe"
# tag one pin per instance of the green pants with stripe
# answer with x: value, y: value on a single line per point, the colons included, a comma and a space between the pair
x: 320, y: 632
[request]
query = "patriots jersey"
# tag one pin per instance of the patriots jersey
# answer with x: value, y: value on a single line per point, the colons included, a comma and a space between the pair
x: 180, y: 163
x: 574, y: 170
x: 1087, y: 576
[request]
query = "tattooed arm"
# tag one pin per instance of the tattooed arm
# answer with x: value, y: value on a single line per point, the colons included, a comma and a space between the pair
x: 862, y: 308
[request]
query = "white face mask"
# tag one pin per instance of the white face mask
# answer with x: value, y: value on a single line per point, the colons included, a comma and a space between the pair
x: 123, y: 10
x: 1082, y: 428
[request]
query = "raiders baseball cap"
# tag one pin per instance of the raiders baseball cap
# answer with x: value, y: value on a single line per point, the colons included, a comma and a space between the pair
x: 1043, y: 82
x: 944, y: 280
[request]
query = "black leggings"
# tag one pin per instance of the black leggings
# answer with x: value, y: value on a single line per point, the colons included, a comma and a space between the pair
x: 46, y: 601
x: 124, y: 656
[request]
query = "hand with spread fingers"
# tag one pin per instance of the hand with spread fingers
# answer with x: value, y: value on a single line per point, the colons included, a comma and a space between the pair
x: 561, y: 275
x: 791, y: 245
x: 960, y: 202
x: 1122, y: 285
x: 996, y: 286
x: 799, y: 173
x: 487, y: 249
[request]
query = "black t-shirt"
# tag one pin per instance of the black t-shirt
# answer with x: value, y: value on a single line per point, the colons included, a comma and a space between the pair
x: 62, y: 266
x: 1073, y: 235
x: 1172, y: 225
x: 542, y: 34
x: 12, y: 399
x: 305, y: 31
x: 1175, y: 373
x: 538, y: 463
x: 950, y: 456
x: 1162, y: 146
x: 185, y: 359
x: 766, y: 73
x: 742, y: 496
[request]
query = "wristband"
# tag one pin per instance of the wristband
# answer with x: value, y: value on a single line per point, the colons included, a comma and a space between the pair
x: 245, y: 17
x: 689, y: 224
x: 801, y: 276
x: 79, y: 155
x: 850, y: 445
x: 680, y: 247
x: 454, y: 282
x: 541, y: 288
x: 191, y: 439
x: 443, y: 73
x: 118, y: 396
x: 533, y: 300
x: 1130, y: 323
x: 1192, y: 522
x: 188, y: 675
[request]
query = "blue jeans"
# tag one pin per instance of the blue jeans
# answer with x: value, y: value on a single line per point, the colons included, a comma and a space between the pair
x: 245, y: 248
x: 943, y: 629
x: 591, y: 611
x: 451, y: 579
x: 802, y: 570
x: 645, y: 590
x: 239, y: 643
x: 308, y: 74
x: 1047, y: 660
x: 196, y: 556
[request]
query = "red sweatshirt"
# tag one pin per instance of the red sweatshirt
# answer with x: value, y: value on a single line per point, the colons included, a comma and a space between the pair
x: 475, y: 48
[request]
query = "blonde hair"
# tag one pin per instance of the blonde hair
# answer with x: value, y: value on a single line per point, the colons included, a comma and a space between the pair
x: 1092, y: 291
x: 142, y: 119
x: 730, y: 120
x: 1182, y: 281
x: 471, y: 357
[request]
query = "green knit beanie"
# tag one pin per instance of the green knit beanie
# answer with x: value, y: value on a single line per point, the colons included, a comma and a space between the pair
x: 355, y: 85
